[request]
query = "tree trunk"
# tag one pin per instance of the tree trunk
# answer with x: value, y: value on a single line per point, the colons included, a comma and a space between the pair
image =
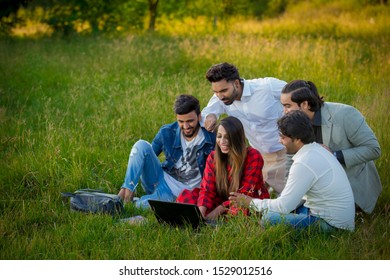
x: 153, y: 14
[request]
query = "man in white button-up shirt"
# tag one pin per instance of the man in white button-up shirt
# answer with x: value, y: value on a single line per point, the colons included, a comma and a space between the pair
x: 256, y: 103
x: 315, y: 176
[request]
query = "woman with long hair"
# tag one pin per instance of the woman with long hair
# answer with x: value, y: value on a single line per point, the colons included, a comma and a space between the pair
x: 231, y: 167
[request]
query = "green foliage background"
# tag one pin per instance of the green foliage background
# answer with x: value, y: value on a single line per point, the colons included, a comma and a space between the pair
x: 119, y: 17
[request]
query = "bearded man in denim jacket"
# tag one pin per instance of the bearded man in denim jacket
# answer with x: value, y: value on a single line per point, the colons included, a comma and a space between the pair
x: 185, y: 145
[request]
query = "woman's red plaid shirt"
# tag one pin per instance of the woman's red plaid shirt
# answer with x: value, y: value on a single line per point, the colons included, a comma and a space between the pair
x: 252, y: 184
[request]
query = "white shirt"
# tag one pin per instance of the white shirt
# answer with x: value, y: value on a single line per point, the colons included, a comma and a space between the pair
x: 319, y: 178
x: 258, y: 110
x: 186, y: 173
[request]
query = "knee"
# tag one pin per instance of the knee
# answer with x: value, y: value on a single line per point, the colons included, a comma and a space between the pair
x: 140, y: 146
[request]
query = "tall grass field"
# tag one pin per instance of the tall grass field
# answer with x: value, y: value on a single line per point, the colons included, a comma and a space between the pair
x: 71, y: 109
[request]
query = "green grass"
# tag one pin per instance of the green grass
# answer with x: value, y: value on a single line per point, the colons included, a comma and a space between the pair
x: 71, y: 110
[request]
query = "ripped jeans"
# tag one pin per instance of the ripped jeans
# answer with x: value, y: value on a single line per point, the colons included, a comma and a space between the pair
x: 144, y: 165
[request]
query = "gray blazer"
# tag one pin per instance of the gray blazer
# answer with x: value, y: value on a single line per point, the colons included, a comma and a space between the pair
x: 345, y: 129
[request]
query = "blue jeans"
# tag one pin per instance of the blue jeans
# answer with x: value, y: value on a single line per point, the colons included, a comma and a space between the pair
x: 144, y: 164
x: 300, y: 219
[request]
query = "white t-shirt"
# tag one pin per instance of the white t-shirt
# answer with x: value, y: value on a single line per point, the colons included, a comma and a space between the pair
x: 318, y: 177
x: 186, y: 174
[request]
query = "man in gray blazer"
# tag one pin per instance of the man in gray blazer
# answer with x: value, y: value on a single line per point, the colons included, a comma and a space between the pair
x: 343, y: 131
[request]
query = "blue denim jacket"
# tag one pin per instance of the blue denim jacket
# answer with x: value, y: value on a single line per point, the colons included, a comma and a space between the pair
x: 168, y: 141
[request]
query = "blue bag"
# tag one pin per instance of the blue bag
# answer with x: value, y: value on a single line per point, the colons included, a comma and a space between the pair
x: 95, y: 201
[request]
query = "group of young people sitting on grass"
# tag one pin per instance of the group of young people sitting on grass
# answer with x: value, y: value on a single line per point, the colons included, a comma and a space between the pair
x: 316, y: 157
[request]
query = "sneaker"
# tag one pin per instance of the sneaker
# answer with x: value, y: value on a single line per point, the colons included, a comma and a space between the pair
x: 134, y: 220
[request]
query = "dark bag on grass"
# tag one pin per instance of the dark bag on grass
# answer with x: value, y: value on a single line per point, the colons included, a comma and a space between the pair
x: 94, y: 201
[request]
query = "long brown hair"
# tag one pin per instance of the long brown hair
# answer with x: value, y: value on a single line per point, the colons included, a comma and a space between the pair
x: 235, y: 158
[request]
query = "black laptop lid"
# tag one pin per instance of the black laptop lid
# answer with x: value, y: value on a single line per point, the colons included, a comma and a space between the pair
x: 176, y: 214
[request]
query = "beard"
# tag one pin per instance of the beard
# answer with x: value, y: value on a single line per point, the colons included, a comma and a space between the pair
x: 232, y: 98
x: 193, y: 132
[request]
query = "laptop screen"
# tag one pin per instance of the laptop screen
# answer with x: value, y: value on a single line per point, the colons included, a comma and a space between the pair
x: 176, y: 214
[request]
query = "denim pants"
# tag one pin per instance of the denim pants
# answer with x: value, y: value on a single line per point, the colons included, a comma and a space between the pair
x: 144, y: 165
x: 300, y: 219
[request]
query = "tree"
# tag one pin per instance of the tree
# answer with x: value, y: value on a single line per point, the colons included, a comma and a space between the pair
x: 8, y: 9
x: 66, y: 16
x: 152, y: 14
x: 101, y: 16
x: 113, y: 16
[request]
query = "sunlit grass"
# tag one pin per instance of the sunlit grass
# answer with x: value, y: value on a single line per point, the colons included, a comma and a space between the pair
x: 333, y: 19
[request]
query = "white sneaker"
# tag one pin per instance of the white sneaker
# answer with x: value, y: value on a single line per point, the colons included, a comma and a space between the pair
x: 136, y: 220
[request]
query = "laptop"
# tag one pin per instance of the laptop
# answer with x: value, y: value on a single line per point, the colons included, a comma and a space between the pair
x: 177, y: 214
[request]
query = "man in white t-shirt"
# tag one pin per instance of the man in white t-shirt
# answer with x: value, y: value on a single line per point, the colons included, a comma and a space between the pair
x: 315, y: 176
x: 185, y: 145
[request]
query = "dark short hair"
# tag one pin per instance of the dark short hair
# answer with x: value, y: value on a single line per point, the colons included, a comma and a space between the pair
x: 222, y: 71
x: 304, y: 91
x: 185, y: 104
x: 296, y: 125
